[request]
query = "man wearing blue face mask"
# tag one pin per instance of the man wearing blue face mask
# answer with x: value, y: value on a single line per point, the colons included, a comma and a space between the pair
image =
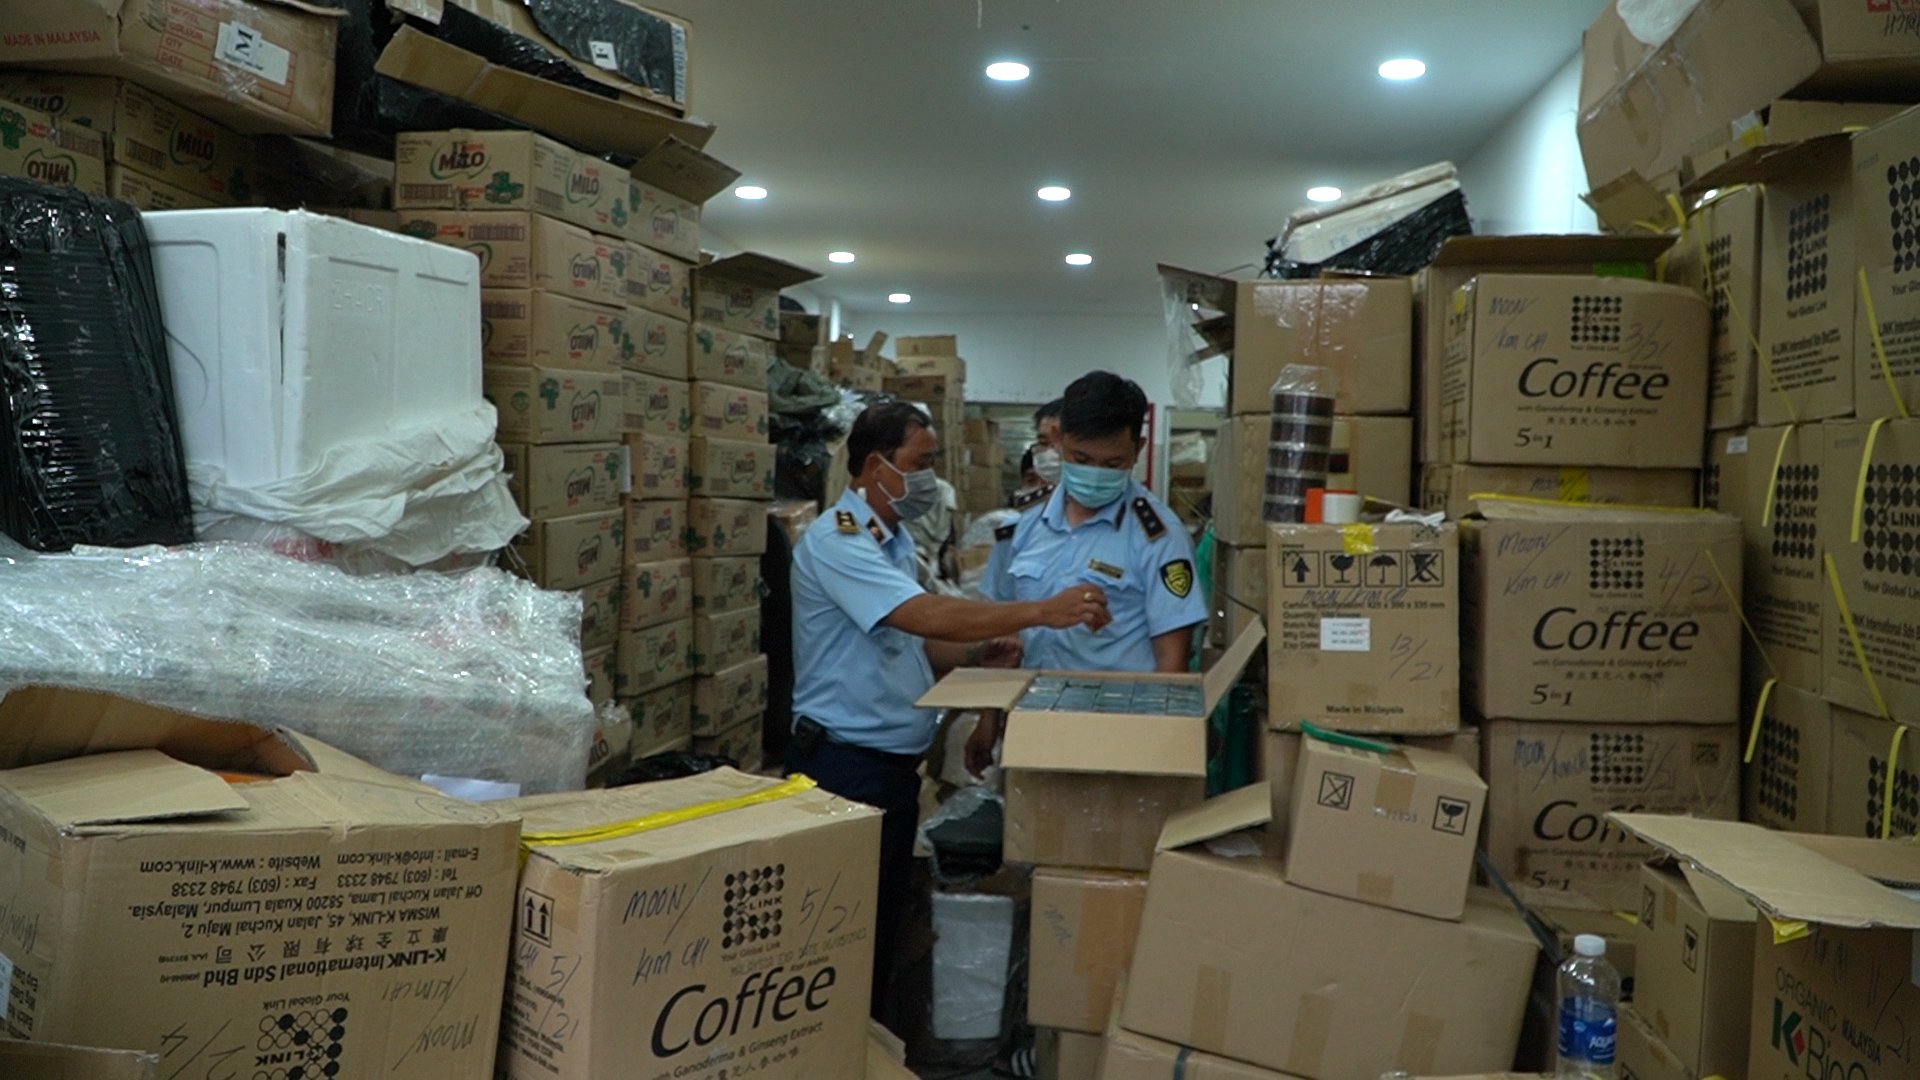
x: 867, y: 640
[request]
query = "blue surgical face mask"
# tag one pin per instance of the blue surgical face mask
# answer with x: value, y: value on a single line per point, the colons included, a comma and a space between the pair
x: 1094, y: 487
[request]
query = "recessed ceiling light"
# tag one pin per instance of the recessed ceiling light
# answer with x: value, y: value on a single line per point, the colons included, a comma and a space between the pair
x: 1054, y: 193
x: 751, y: 192
x: 1403, y: 69
x: 899, y: 298
x: 1007, y: 71
x: 840, y: 256
x: 1324, y: 193
x: 1079, y: 258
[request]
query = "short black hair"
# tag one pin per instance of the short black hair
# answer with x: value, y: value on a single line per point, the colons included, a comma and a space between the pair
x: 1049, y: 411
x: 882, y: 429
x: 1026, y: 462
x: 1100, y: 403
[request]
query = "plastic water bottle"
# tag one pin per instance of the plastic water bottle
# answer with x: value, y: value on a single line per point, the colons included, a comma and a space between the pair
x: 1589, y: 1011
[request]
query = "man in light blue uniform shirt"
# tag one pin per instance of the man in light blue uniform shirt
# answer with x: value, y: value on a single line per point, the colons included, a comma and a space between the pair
x: 867, y: 640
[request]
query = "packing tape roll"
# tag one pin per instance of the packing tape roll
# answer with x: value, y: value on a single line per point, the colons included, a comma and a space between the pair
x: 1341, y: 508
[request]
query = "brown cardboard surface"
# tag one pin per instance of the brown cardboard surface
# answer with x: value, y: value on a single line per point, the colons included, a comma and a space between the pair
x: 659, y: 464
x: 936, y: 345
x: 1643, y: 1056
x: 1279, y: 763
x: 572, y: 478
x: 720, y: 527
x: 48, y: 1061
x: 1863, y: 754
x: 522, y: 326
x: 1092, y: 820
x: 1789, y: 773
x: 1602, y: 614
x: 1243, y: 575
x: 721, y: 411
x: 1397, y: 829
x: 721, y: 355
x: 725, y: 640
x: 1720, y: 255
x: 518, y: 250
x: 656, y: 530
x: 655, y: 657
x: 732, y: 468
x: 1452, y: 487
x: 660, y: 344
x: 1873, y: 573
x: 656, y: 406
x: 599, y: 614
x: 1570, y: 370
x: 1886, y: 340
x: 726, y: 584
x: 603, y: 675
x: 742, y: 293
x: 1693, y: 967
x: 572, y: 552
x: 743, y: 744
x: 655, y: 593
x: 926, y: 389
x: 622, y: 906
x: 952, y: 368
x: 1782, y: 485
x: 730, y: 696
x: 658, y: 283
x: 660, y: 220
x: 661, y: 717
x: 128, y: 840
x: 1083, y: 930
x: 1372, y: 455
x: 552, y: 405
x: 513, y: 461
x: 146, y: 193
x: 48, y: 154
x: 1551, y: 785
x: 1135, y: 1057
x: 1366, y: 625
x: 1727, y: 460
x: 508, y: 170
x: 1070, y: 1055
x: 1360, y: 329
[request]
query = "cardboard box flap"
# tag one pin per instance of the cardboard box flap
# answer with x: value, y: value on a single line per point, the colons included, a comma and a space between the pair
x: 1717, y: 899
x: 1771, y: 161
x: 1211, y: 291
x: 760, y: 271
x: 1550, y: 250
x: 686, y: 171
x: 52, y: 1061
x: 40, y: 724
x: 1246, y: 808
x: 977, y: 688
x: 1782, y: 878
x: 1890, y: 864
x: 1106, y: 742
x: 1220, y: 678
x: 1442, y: 765
x: 120, y: 787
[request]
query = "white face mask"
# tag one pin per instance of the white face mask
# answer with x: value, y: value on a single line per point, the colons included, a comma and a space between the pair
x: 922, y: 493
x: 1046, y: 463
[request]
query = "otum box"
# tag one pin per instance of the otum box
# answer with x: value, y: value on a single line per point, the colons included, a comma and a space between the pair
x: 717, y: 926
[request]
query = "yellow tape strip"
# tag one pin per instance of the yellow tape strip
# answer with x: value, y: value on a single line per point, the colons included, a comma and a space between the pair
x: 1880, y: 347
x: 1759, y: 714
x: 666, y: 818
x: 1893, y: 772
x: 1759, y: 352
x: 1786, y: 930
x: 1853, y: 636
x: 1860, y: 482
x: 1740, y: 610
x: 1773, y: 478
x: 1358, y: 538
x: 1531, y: 500
x: 1627, y: 917
x: 1576, y: 485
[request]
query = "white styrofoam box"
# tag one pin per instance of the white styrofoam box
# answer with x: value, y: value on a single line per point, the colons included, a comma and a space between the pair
x: 293, y: 334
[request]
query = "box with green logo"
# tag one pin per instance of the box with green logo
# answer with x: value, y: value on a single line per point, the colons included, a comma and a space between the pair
x: 571, y: 552
x: 542, y: 405
x: 726, y: 527
x: 728, y: 412
x: 661, y: 718
x: 572, y: 478
x: 725, y: 585
x: 145, y: 132
x: 656, y: 530
x: 599, y: 614
x: 655, y: 593
x: 657, y: 406
x: 667, y: 189
x: 658, y: 283
x: 508, y: 170
x: 730, y: 696
x: 718, y: 355
x: 658, y: 465
x: 33, y: 146
x: 657, y: 656
x: 659, y: 343
x: 742, y: 292
x: 732, y: 468
x: 724, y: 640
x: 523, y: 326
x: 146, y: 193
x: 527, y: 251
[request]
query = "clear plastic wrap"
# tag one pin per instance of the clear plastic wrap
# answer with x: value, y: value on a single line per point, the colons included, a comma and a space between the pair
x: 1299, y: 440
x: 972, y: 953
x: 477, y: 675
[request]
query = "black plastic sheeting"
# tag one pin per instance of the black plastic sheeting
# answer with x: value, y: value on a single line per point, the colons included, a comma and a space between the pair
x: 642, y: 43
x: 1408, y: 247
x: 673, y: 765
x: 89, y: 436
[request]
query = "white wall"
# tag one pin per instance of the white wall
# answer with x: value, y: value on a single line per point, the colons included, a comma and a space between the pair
x: 1527, y: 177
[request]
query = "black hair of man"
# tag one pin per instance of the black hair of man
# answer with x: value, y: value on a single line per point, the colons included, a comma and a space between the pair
x: 1049, y: 411
x: 1100, y: 403
x: 1026, y: 462
x: 882, y: 429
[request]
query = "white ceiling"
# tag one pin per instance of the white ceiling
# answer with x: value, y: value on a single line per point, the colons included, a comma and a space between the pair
x: 1186, y: 129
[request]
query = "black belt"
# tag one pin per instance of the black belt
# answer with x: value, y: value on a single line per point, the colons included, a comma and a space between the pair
x: 809, y: 733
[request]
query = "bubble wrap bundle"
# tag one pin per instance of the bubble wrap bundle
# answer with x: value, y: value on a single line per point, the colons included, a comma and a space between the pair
x: 472, y: 675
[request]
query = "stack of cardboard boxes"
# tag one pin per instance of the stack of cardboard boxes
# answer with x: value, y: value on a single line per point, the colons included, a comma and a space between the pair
x: 932, y: 373
x: 987, y: 467
x: 859, y: 369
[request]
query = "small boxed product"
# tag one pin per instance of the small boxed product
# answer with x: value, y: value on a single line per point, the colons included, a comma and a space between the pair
x: 552, y: 405
x: 719, y: 355
x: 654, y: 657
x: 571, y: 478
x: 658, y: 283
x: 572, y: 552
x: 721, y: 411
x: 730, y: 696
x: 725, y: 640
x: 660, y: 344
x: 525, y: 326
x: 656, y: 405
x: 726, y: 585
x: 508, y: 170
x: 655, y: 593
x: 656, y: 530
x: 717, y: 527
x: 1693, y: 966
x: 661, y: 718
x: 731, y: 468
x: 659, y: 465
x: 742, y: 293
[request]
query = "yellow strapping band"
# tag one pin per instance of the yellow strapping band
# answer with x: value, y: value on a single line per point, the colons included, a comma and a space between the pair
x: 1627, y: 917
x: 1576, y: 485
x: 1880, y: 347
x: 1893, y: 771
x: 1531, y: 500
x: 1759, y: 714
x: 1860, y: 482
x: 1358, y: 538
x: 666, y: 818
x: 1759, y: 352
x: 1853, y: 636
x: 1741, y: 611
x: 1773, y: 477
x: 1786, y: 930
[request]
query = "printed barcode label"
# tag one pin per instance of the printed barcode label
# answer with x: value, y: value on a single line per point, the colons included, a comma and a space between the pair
x: 246, y: 48
x: 438, y: 193
x: 497, y: 233
x: 142, y: 154
x: 503, y: 309
x: 603, y: 55
x: 1346, y: 635
x: 546, y: 200
x: 680, y: 64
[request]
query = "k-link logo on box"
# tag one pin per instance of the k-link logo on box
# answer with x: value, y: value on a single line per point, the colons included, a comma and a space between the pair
x: 1807, y: 257
x: 1594, y: 322
x: 1796, y: 502
x: 1890, y: 520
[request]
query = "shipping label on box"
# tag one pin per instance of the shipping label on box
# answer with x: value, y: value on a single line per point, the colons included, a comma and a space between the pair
x: 743, y: 744
x: 662, y: 717
x: 571, y: 478
x: 599, y: 614
x: 572, y: 552
x: 1778, y: 501
x: 1551, y: 785
x: 1562, y: 370
x: 718, y: 527
x: 659, y: 283
x: 721, y: 411
x: 1693, y: 967
x: 1791, y: 765
x: 659, y: 464
x: 146, y: 193
x: 48, y: 154
x: 1453, y: 488
x: 726, y: 585
x: 1602, y: 614
x: 1870, y: 531
x: 1361, y: 330
x: 723, y: 640
x: 655, y: 593
x: 1366, y: 627
x: 654, y: 657
x: 663, y: 221
x: 549, y: 405
x: 1084, y: 926
x: 657, y: 406
x: 656, y: 530
x: 732, y: 468
x: 730, y: 696
x: 687, y: 922
x: 719, y: 355
x: 659, y: 344
x: 522, y: 326
x: 508, y: 170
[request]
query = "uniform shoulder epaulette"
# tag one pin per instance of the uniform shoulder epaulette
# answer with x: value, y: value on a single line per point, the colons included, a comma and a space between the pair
x: 1032, y: 498
x: 843, y: 521
x: 1149, y: 519
x: 1005, y: 532
x: 873, y: 529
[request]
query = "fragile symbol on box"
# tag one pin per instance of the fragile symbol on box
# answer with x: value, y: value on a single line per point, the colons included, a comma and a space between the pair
x: 1336, y: 791
x: 536, y: 916
x: 1341, y: 568
x: 1450, y: 815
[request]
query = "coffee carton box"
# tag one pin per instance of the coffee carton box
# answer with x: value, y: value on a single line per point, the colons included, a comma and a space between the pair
x: 1360, y: 329
x: 731, y: 468
x: 719, y: 355
x: 1791, y: 765
x: 662, y: 718
x: 1456, y: 489
x: 572, y: 552
x: 659, y: 465
x: 656, y: 405
x: 1867, y: 750
x: 523, y: 326
x: 654, y: 657
x: 730, y: 696
x: 726, y: 585
x: 724, y: 640
x: 1869, y: 531
x: 721, y: 527
x: 1083, y: 928
x: 656, y: 530
x: 553, y: 405
x: 742, y: 293
x: 572, y: 478
x: 658, y: 344
x: 508, y: 170
x: 655, y: 593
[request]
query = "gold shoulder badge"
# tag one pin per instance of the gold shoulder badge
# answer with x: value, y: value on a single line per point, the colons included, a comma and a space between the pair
x: 1032, y: 498
x: 1178, y: 577
x: 1149, y: 520
x: 843, y: 521
x: 873, y: 529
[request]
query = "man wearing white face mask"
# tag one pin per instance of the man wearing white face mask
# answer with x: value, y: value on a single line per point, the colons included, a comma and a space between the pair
x: 868, y: 639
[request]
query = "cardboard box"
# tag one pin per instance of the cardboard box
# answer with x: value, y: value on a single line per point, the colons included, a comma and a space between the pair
x: 1360, y: 329
x: 655, y: 657
x: 257, y: 65
x: 124, y: 857
x: 1873, y: 568
x: 932, y: 390
x: 1778, y: 499
x: 858, y: 378
x: 935, y: 345
x: 619, y: 908
x: 146, y: 193
x: 656, y: 530
x: 1279, y: 762
x: 1789, y: 770
x: 1069, y: 1055
x: 1602, y: 614
x: 60, y: 156
x: 1886, y: 341
x: 951, y: 368
x: 732, y: 468
x: 50, y: 1061
x: 662, y: 717
x: 1372, y: 455
x: 656, y: 405
x: 1833, y: 992
x: 660, y: 344
x: 1866, y: 749
x: 719, y: 355
x: 1693, y: 966
x: 730, y: 696
x: 743, y: 744
x: 725, y: 640
x: 1083, y: 929
x: 804, y: 330
x: 658, y: 283
x: 655, y: 593
x: 603, y: 675
x: 1550, y: 786
x: 1643, y: 1056
x: 1397, y: 829
x: 659, y: 465
x: 568, y: 479
x: 1568, y: 370
x: 726, y: 585
x: 528, y: 251
x: 1092, y: 790
x: 508, y: 170
x: 662, y: 221
x: 742, y: 293
x: 1786, y: 120
x: 550, y: 405
x: 1366, y: 627
x: 719, y: 527
x: 572, y: 552
x: 522, y: 326
x: 599, y: 614
x: 1452, y: 488
x: 1242, y: 576
x: 1129, y: 1056
x: 1307, y: 1002
x: 1720, y: 256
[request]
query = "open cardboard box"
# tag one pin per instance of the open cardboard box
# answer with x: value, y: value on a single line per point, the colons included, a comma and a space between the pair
x: 51, y: 1061
x: 1088, y: 789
